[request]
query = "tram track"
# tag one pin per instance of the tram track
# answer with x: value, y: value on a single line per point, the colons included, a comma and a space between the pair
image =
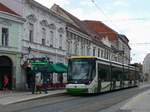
x: 67, y: 103
x: 37, y: 103
x: 99, y: 105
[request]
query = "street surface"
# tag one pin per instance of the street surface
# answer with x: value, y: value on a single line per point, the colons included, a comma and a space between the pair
x: 68, y: 103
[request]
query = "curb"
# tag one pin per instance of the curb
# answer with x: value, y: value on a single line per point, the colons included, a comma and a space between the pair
x: 13, y: 100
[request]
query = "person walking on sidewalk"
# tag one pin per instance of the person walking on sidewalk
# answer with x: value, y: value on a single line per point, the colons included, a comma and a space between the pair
x: 45, y: 81
x: 38, y: 82
x: 32, y: 83
x: 5, y: 82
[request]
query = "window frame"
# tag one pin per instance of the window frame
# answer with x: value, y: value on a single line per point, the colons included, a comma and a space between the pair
x: 5, y: 39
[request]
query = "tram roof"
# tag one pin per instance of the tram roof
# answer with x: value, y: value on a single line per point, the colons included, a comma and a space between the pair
x: 86, y: 57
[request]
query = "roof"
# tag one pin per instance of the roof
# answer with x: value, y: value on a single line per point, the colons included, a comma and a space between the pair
x: 77, y: 23
x: 72, y: 20
x: 4, y: 8
x: 102, y: 29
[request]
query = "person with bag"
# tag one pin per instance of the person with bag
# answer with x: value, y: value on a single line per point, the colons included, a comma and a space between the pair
x: 38, y: 82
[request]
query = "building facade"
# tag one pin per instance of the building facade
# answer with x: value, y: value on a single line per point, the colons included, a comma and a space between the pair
x: 43, y: 35
x: 117, y: 43
x: 81, y: 39
x: 78, y: 40
x: 11, y: 30
x: 123, y: 46
x: 146, y: 67
x: 55, y: 34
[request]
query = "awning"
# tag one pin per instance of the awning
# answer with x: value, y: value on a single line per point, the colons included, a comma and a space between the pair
x: 57, y: 68
x: 40, y: 66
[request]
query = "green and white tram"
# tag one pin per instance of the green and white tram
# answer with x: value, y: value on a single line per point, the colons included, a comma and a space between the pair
x: 89, y: 74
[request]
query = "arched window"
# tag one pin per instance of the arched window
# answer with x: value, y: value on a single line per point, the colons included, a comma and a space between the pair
x: 31, y: 19
x: 51, y: 38
x: 43, y: 36
x: 31, y: 32
x: 60, y: 41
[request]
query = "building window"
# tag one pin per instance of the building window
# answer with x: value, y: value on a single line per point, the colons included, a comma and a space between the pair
x: 93, y: 51
x: 31, y: 30
x: 4, y: 36
x: 43, y: 36
x: 51, y: 38
x: 102, y: 53
x: 98, y: 52
x: 69, y: 47
x: 106, y: 54
x: 76, y: 48
x: 43, y: 41
x: 82, y: 49
x: 60, y: 41
x: 88, y: 51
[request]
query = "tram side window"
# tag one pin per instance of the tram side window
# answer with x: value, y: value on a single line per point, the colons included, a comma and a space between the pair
x: 104, y: 72
x: 132, y: 75
x: 116, y: 74
x: 137, y: 75
x: 126, y: 75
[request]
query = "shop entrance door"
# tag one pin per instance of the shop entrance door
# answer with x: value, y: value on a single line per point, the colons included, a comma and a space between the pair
x: 5, y: 72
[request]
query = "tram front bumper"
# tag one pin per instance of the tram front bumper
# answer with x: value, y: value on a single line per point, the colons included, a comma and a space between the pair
x: 77, y: 90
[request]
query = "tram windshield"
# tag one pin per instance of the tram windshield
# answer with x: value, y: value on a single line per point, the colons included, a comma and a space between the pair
x: 80, y: 70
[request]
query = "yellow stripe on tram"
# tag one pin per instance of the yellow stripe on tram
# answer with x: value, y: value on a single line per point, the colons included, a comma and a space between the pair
x: 76, y: 57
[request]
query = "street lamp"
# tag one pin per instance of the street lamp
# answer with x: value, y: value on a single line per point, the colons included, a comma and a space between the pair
x: 29, y: 49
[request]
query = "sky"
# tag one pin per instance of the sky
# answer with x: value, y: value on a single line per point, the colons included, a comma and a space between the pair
x: 128, y: 17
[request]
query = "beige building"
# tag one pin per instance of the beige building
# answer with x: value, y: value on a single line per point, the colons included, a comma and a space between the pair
x: 146, y: 67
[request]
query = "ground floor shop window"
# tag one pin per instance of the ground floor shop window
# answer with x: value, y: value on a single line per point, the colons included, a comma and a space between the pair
x: 60, y: 77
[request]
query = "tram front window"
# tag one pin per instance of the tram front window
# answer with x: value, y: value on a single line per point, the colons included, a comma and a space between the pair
x: 80, y: 71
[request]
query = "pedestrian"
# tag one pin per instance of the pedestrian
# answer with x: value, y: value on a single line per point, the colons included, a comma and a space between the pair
x: 45, y: 82
x: 5, y: 82
x: 32, y: 83
x: 38, y: 82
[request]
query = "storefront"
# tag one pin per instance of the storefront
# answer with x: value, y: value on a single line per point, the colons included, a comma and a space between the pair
x: 6, y: 66
x: 54, y: 74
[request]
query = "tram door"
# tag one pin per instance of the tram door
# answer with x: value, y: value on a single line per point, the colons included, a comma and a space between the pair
x: 99, y: 80
x: 103, y: 77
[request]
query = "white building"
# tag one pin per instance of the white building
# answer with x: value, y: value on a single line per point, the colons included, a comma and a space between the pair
x: 44, y: 34
x: 82, y: 40
x: 56, y: 34
x: 11, y: 33
x: 118, y: 48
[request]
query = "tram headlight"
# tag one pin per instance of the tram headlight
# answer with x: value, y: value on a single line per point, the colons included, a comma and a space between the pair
x: 87, y: 82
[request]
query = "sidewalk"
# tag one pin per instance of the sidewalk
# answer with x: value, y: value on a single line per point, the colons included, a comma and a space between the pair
x: 10, y: 97
x: 140, y: 103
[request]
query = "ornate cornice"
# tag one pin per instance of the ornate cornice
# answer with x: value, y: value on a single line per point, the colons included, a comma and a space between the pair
x: 52, y: 26
x: 61, y: 30
x: 31, y: 18
x: 44, y: 23
x: 5, y: 22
